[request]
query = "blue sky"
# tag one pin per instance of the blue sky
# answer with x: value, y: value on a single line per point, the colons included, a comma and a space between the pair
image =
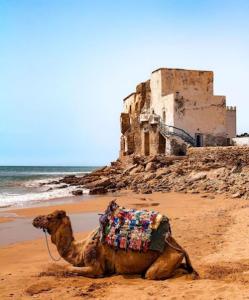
x: 65, y: 67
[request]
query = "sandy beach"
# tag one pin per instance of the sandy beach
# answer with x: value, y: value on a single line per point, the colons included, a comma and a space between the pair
x: 213, y: 231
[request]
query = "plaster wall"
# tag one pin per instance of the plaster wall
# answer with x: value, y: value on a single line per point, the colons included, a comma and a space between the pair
x: 206, y: 117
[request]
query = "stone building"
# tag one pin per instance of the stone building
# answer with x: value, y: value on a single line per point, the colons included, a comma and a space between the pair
x: 173, y: 110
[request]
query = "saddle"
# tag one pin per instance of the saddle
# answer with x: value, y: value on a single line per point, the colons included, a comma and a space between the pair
x: 137, y: 230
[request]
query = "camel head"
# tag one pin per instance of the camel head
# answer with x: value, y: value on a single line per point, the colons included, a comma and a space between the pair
x: 50, y: 222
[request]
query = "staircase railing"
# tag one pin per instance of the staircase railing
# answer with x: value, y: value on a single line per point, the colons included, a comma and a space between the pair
x: 167, y: 130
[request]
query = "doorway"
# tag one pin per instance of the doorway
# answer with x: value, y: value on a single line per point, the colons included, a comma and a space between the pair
x: 199, y: 140
x: 161, y: 144
x: 146, y: 143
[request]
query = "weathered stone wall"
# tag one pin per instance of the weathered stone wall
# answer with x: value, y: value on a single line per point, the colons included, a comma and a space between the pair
x: 132, y: 133
x: 192, y: 81
x: 125, y: 122
x: 231, y: 155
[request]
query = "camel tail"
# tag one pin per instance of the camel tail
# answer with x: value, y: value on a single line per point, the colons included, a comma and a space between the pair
x: 188, y: 265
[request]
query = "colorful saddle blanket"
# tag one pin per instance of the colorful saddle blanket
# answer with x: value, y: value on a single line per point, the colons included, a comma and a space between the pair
x: 138, y: 230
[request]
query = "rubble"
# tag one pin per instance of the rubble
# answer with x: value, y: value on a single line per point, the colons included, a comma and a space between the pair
x: 209, y: 170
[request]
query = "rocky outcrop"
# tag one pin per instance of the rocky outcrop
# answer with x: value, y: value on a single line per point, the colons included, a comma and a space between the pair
x: 212, y: 170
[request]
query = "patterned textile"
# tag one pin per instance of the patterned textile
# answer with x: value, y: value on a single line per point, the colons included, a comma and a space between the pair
x: 129, y: 228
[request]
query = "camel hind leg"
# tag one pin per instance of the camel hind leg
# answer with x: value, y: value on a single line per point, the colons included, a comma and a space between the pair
x: 165, y: 264
x: 169, y: 261
x: 188, y: 265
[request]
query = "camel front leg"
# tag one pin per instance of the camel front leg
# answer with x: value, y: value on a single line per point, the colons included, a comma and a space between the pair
x: 90, y: 271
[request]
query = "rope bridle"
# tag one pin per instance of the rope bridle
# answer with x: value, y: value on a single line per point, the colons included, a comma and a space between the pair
x: 49, y: 252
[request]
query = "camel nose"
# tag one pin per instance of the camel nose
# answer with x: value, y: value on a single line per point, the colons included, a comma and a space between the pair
x: 39, y: 222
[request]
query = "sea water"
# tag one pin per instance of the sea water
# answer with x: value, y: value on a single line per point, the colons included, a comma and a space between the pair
x: 25, y: 184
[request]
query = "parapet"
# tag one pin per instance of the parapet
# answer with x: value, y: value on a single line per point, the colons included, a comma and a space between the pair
x: 233, y: 108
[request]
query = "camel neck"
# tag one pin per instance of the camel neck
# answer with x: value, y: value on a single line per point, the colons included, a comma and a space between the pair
x: 67, y: 247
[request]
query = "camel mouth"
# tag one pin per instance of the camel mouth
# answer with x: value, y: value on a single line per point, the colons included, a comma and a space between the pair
x: 40, y: 222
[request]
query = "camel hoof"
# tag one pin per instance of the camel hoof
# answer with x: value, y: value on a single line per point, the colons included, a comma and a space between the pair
x: 194, y: 275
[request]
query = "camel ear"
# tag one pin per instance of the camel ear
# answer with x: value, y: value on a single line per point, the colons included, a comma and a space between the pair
x: 61, y: 214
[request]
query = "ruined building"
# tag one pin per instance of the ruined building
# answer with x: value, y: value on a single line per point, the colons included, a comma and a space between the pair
x: 174, y: 110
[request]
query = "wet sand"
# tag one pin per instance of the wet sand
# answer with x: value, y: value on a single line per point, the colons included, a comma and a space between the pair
x: 213, y: 231
x: 21, y: 229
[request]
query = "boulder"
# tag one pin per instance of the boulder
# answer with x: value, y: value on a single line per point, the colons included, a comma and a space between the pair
x: 149, y: 176
x: 77, y: 192
x: 121, y: 185
x: 151, y: 166
x: 197, y: 176
x: 62, y: 186
x: 162, y: 171
x: 98, y: 190
x: 138, y: 160
x: 129, y: 168
x: 236, y: 195
x: 103, y: 182
x: 138, y: 169
x: 146, y: 191
x: 69, y: 179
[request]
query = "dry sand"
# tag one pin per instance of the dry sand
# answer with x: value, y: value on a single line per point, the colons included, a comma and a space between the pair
x: 213, y: 231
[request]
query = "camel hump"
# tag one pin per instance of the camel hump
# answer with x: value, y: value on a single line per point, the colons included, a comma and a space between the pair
x: 138, y: 230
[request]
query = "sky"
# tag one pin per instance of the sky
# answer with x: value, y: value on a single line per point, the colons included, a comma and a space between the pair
x: 65, y: 67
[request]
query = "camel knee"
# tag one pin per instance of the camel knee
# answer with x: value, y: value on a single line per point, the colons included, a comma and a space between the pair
x: 164, y: 267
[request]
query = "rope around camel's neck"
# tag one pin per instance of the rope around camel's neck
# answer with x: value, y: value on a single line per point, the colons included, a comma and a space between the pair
x: 62, y: 251
x: 49, y: 252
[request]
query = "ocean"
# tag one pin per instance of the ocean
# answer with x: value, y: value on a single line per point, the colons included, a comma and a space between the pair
x: 21, y: 185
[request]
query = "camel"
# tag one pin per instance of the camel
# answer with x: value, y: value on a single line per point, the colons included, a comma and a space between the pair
x: 96, y: 259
